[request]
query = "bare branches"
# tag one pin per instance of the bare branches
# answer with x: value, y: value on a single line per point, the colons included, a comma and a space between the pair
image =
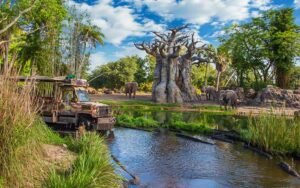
x: 177, y: 29
x: 169, y: 44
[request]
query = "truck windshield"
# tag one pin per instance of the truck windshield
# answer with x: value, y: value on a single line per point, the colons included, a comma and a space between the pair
x: 82, y: 95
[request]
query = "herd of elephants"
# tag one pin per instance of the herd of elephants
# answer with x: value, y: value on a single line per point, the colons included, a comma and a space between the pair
x: 225, y: 97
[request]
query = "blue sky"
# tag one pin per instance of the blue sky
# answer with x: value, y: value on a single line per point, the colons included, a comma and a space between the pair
x: 126, y: 21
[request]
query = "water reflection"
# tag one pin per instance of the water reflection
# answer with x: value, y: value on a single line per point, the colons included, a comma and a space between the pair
x: 163, y: 160
x: 216, y: 120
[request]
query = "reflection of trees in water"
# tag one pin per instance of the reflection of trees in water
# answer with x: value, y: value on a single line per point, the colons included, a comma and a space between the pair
x: 164, y: 117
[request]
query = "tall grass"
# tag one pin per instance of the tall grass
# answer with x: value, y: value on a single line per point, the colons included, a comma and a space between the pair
x: 92, y: 168
x: 274, y: 134
x: 21, y: 136
x: 22, y: 139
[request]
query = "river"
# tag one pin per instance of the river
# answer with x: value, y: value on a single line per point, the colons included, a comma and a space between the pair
x: 162, y: 160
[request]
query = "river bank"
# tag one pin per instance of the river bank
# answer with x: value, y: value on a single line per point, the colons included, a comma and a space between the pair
x: 32, y: 155
x: 268, y: 132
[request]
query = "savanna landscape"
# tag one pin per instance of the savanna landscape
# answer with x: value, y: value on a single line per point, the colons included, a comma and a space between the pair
x: 138, y: 93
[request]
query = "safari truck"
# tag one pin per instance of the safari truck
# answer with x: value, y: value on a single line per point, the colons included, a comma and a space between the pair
x: 65, y: 104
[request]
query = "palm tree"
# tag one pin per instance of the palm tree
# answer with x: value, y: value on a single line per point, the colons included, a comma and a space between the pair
x: 88, y: 37
x: 221, y: 61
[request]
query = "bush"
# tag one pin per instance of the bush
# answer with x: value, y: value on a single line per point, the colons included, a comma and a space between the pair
x: 92, y: 168
x: 194, y: 127
x: 129, y: 121
x: 146, y: 87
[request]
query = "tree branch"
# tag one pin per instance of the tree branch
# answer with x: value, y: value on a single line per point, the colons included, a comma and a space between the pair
x: 16, y: 18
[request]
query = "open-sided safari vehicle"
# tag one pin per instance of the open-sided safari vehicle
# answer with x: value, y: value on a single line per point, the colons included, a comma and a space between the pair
x: 65, y: 104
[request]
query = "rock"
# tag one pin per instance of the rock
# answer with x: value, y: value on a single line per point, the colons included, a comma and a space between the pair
x: 297, y: 113
x: 297, y: 91
x: 240, y: 93
x: 251, y: 94
x: 65, y: 146
x: 287, y: 168
x: 260, y: 152
x: 277, y: 97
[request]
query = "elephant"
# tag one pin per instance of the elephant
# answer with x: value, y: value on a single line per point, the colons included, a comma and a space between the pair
x: 210, y: 91
x: 228, y: 97
x: 131, y: 88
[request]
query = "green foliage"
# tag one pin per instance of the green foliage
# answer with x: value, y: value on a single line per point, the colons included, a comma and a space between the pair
x: 269, y: 41
x: 277, y: 135
x: 92, y: 167
x: 147, y: 87
x: 115, y: 74
x: 295, y: 77
x: 125, y: 120
x: 198, y: 75
x: 194, y: 127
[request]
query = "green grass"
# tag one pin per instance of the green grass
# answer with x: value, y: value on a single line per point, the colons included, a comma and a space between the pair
x: 274, y: 134
x: 148, y: 106
x: 129, y: 121
x: 92, y: 168
x: 192, y: 127
x: 175, y: 123
x: 136, y: 103
x: 22, y: 139
x: 22, y: 135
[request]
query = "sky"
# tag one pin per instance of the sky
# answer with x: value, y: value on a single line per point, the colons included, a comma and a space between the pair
x: 124, y: 22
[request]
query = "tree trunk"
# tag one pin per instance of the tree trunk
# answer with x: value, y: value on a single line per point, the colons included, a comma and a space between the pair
x: 218, y: 80
x: 160, y: 93
x: 156, y: 76
x: 188, y: 93
x: 205, y: 76
x: 173, y: 91
x: 282, y: 79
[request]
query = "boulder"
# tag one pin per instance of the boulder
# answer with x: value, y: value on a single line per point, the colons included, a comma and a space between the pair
x: 279, y: 97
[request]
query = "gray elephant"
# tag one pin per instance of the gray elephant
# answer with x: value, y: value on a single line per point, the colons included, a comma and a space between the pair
x: 228, y: 97
x: 131, y: 88
x: 210, y: 92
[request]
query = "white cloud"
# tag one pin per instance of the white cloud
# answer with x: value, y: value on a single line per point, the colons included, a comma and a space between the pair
x: 117, y: 23
x: 202, y: 11
x: 297, y: 3
x: 255, y: 14
x: 217, y: 34
x: 97, y: 59
x: 129, y: 50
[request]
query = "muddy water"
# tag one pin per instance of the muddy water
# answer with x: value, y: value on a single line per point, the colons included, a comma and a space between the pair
x: 164, y: 160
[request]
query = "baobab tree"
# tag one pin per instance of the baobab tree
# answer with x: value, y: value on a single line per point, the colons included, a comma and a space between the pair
x: 175, y: 53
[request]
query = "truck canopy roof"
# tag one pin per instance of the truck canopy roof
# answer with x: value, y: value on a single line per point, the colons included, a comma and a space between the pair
x: 61, y: 79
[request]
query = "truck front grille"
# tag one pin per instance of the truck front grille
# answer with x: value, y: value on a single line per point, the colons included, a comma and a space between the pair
x: 104, y: 111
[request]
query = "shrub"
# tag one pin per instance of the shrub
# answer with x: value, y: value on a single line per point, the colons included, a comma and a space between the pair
x: 136, y: 122
x: 92, y: 168
x: 194, y: 127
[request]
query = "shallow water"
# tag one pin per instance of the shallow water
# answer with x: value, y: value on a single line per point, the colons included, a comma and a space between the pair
x: 164, y: 160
